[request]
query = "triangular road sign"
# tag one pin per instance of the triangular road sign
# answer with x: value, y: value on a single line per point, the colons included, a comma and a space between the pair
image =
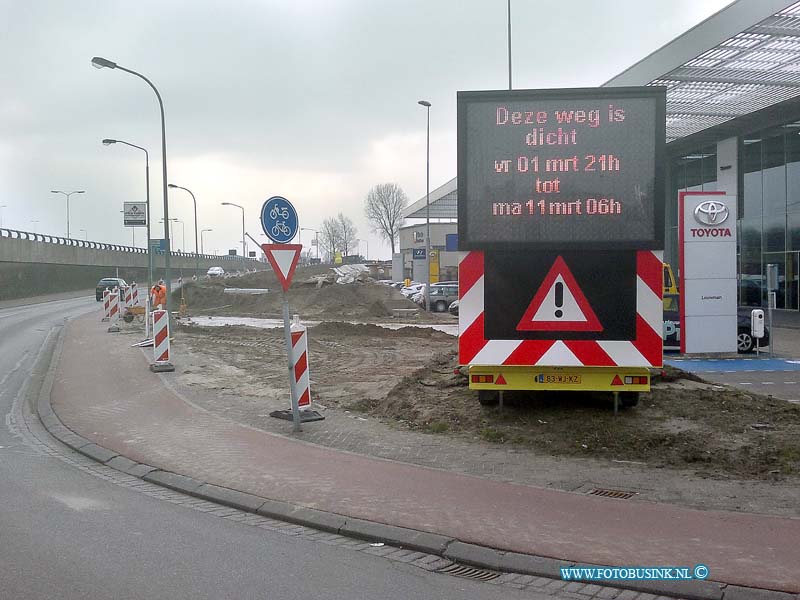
x: 559, y: 304
x: 283, y: 258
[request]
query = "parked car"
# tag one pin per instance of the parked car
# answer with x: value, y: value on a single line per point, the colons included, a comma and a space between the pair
x: 215, y: 272
x: 107, y: 283
x: 412, y: 289
x: 441, y: 296
x: 453, y: 308
x: 745, y: 342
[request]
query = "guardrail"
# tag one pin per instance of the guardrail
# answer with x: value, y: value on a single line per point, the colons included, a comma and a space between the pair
x: 30, y: 236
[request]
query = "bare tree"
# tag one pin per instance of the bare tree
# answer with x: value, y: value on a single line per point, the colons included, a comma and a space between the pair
x: 384, y: 205
x: 329, y: 237
x: 347, y: 234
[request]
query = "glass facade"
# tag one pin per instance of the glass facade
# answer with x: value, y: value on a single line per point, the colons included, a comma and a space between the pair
x: 768, y: 209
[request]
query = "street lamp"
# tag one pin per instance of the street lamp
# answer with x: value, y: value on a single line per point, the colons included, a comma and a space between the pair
x: 183, y: 234
x: 67, y: 194
x: 100, y: 63
x: 196, y: 255
x: 427, y: 106
x: 244, y: 243
x: 172, y: 220
x: 202, y: 231
x: 367, y: 243
x: 85, y: 235
x: 316, y: 237
x: 108, y: 142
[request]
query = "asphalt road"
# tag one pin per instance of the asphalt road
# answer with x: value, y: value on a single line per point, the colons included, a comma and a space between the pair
x: 73, y: 529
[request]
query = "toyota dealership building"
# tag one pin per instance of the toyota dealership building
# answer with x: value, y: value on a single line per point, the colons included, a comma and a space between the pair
x: 733, y: 125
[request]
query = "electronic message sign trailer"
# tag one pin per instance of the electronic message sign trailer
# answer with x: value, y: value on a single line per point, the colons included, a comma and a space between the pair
x: 561, y: 215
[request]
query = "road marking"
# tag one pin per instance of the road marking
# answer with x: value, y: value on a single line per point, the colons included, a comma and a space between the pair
x: 745, y: 383
x: 767, y: 383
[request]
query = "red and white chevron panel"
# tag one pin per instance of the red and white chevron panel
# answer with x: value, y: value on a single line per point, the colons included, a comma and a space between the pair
x: 645, y: 350
x: 113, y: 310
x: 106, y: 305
x: 160, y: 336
x: 134, y: 295
x: 300, y: 364
x: 127, y: 292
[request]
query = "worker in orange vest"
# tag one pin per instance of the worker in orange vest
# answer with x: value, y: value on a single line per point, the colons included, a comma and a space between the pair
x: 158, y: 294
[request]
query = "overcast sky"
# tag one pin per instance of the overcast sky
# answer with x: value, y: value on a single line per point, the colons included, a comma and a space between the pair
x: 314, y: 100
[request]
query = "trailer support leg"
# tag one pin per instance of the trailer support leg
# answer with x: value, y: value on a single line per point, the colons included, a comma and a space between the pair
x: 616, y: 403
x: 500, y: 394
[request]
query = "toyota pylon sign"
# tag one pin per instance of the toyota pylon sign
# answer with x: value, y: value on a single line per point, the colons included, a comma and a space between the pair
x: 708, y: 286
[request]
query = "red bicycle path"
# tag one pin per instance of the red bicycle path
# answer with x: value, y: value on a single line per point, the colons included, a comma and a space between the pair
x: 103, y: 391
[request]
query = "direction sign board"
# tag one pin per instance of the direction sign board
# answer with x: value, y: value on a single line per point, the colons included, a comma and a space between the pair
x: 135, y: 214
x: 279, y: 220
x: 561, y: 169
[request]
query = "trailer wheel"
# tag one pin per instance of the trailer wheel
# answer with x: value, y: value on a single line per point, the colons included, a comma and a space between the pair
x: 488, y: 397
x: 629, y: 399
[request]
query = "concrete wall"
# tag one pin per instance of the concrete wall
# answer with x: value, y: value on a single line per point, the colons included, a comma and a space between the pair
x: 32, y: 264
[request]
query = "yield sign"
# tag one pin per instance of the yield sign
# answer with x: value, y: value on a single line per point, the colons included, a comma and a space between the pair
x: 283, y: 258
x: 559, y: 305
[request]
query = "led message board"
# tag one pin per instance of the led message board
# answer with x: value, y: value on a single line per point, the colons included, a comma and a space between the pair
x: 571, y: 168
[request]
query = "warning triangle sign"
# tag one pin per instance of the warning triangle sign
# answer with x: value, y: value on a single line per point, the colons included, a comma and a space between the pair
x: 559, y: 304
x: 500, y: 380
x: 283, y: 258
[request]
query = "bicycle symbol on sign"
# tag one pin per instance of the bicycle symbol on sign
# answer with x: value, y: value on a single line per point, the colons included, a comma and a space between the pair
x: 281, y: 228
x: 277, y: 211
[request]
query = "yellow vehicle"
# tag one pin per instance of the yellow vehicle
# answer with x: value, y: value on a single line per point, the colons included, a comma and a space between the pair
x: 670, y: 285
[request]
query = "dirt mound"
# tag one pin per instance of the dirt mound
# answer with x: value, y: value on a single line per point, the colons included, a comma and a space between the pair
x: 718, y: 432
x: 353, y: 301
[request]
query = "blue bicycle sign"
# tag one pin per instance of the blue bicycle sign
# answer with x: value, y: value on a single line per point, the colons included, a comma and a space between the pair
x: 279, y: 220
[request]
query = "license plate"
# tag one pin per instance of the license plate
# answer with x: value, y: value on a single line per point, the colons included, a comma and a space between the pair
x: 561, y: 379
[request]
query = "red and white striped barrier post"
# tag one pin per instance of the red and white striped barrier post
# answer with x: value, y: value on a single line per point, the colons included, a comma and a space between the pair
x: 113, y: 311
x: 106, y: 305
x: 300, y: 363
x: 147, y: 318
x: 128, y: 295
x: 161, y: 355
x: 134, y: 294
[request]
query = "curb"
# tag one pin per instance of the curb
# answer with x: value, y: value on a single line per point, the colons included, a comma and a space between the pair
x: 411, y: 539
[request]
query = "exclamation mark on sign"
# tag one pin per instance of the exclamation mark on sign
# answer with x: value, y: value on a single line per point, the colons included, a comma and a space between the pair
x: 559, y: 300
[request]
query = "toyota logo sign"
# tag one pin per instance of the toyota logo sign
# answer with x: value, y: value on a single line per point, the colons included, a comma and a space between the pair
x: 711, y: 212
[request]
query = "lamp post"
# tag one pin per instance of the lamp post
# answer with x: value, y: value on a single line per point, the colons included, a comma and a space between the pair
x: 196, y: 255
x: 244, y: 243
x: 85, y: 235
x: 108, y: 142
x: 427, y: 106
x: 67, y: 194
x: 367, y: 244
x: 316, y: 237
x: 183, y: 234
x: 171, y: 228
x: 201, y: 240
x: 100, y: 63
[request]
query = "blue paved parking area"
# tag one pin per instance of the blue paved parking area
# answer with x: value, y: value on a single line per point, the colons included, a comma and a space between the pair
x: 733, y: 365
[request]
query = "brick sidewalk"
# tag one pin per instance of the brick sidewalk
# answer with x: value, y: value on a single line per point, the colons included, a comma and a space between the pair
x: 154, y: 426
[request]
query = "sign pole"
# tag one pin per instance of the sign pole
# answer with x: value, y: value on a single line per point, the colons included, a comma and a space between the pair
x: 287, y: 336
